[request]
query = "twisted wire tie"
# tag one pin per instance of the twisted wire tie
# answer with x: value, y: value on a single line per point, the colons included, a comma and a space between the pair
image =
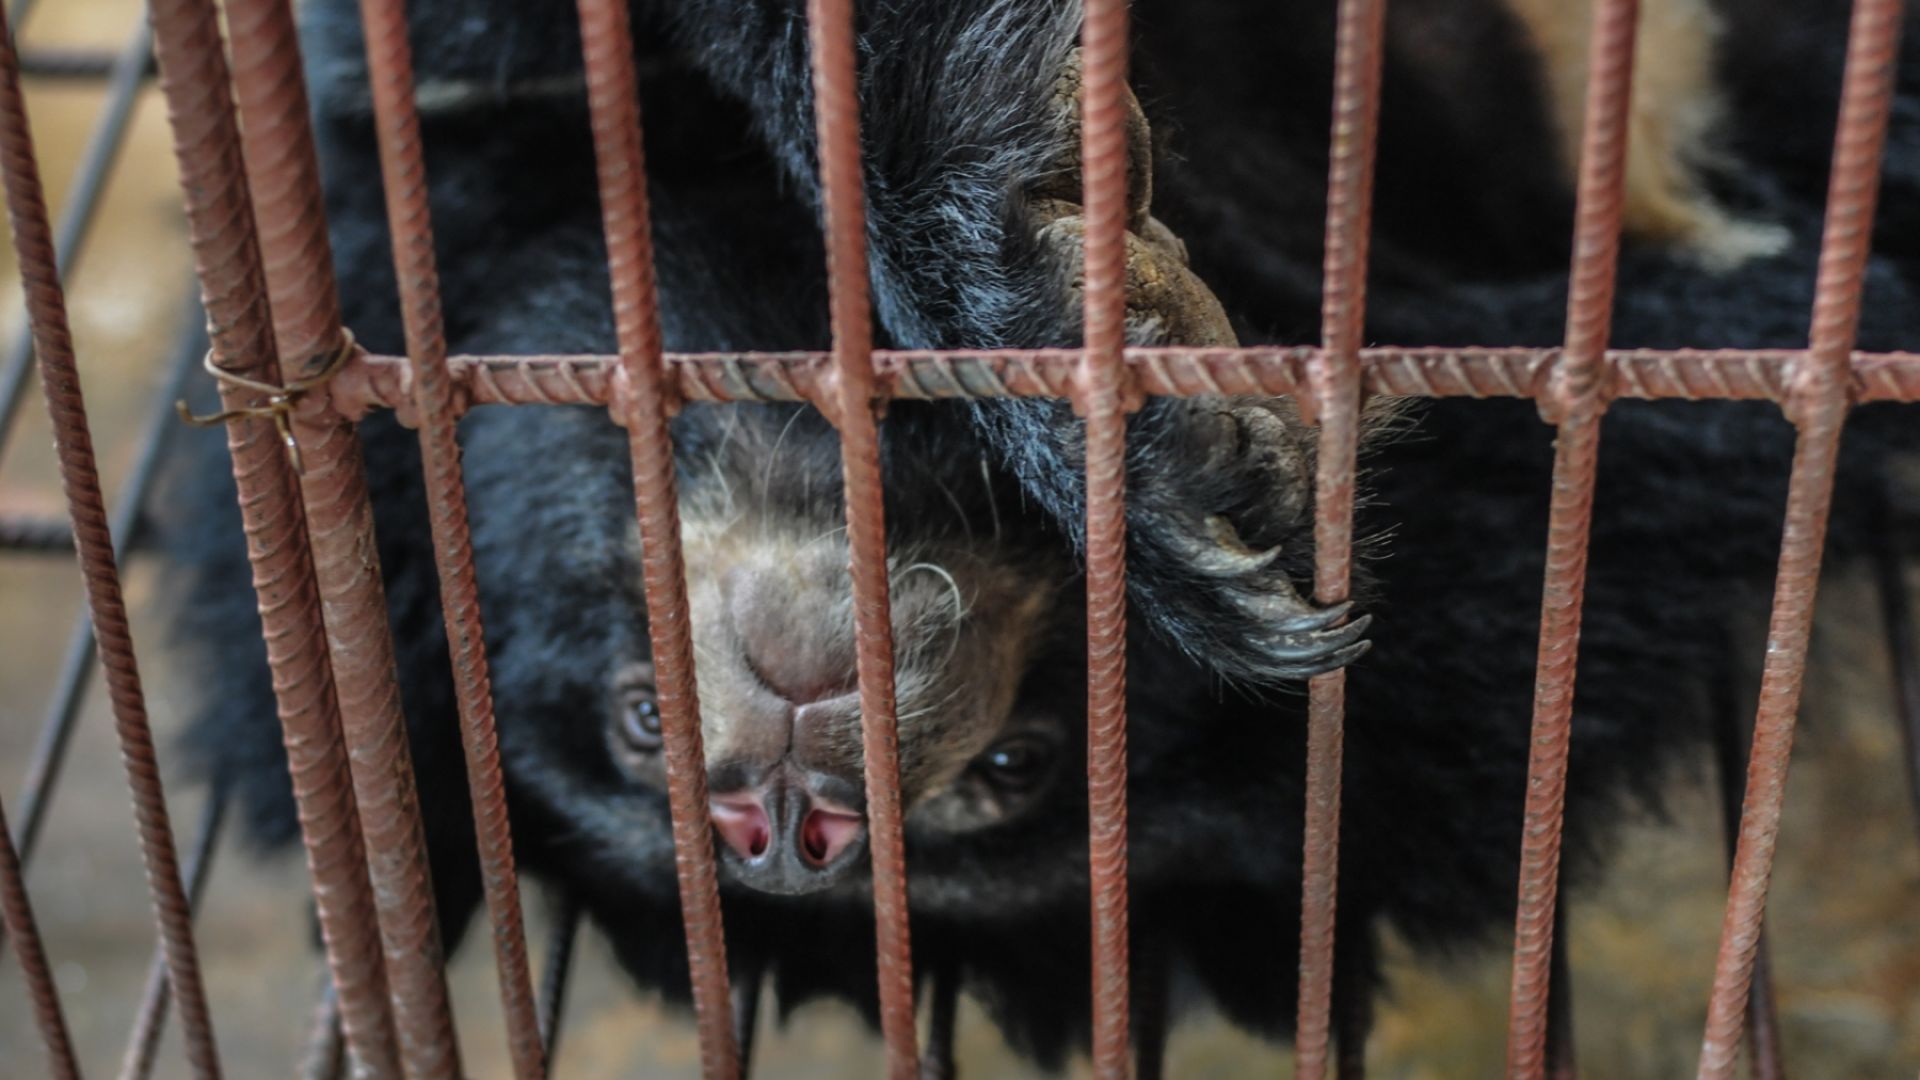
x: 280, y: 400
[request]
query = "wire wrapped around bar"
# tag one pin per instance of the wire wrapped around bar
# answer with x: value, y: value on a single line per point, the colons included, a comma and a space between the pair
x: 323, y: 617
x: 279, y: 402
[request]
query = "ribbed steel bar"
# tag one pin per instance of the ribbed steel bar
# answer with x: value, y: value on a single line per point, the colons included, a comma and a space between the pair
x: 403, y: 170
x: 1730, y: 738
x: 1574, y: 402
x: 851, y: 402
x: 149, y: 1022
x: 1103, y: 397
x: 643, y: 403
x: 83, y: 200
x: 1333, y: 400
x: 193, y: 76
x: 1818, y: 406
x: 16, y: 911
x: 66, y: 409
x: 585, y: 379
x: 49, y: 752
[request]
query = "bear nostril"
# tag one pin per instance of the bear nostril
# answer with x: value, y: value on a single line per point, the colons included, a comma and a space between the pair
x: 742, y: 823
x: 825, y: 835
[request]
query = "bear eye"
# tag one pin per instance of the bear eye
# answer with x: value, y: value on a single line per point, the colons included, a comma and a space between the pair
x: 640, y: 719
x: 1017, y: 763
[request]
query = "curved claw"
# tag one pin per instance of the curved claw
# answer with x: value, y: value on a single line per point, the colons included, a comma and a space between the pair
x: 1318, y: 618
x: 1312, y: 644
x: 1330, y: 662
x: 1309, y: 645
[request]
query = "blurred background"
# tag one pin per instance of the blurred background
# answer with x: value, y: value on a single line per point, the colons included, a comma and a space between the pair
x: 1844, y: 923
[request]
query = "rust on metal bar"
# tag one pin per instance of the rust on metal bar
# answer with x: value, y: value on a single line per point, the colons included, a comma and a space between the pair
x: 83, y: 200
x: 17, y: 912
x: 193, y: 76
x: 1333, y: 400
x: 586, y: 379
x: 643, y: 403
x: 150, y: 1021
x: 50, y: 749
x: 1574, y: 401
x: 1730, y: 737
x: 66, y: 409
x: 1817, y: 403
x: 850, y: 403
x: 403, y: 172
x: 1102, y: 395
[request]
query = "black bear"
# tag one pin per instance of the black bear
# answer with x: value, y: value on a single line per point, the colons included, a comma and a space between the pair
x: 969, y: 114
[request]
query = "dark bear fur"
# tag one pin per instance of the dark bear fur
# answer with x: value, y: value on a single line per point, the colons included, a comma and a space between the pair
x: 1470, y: 248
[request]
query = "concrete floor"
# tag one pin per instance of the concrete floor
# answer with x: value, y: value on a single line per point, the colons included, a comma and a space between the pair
x: 1846, y: 926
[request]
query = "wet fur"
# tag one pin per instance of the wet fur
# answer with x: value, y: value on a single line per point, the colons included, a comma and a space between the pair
x: 1470, y: 248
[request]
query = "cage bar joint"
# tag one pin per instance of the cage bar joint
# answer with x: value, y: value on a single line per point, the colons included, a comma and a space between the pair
x: 280, y: 400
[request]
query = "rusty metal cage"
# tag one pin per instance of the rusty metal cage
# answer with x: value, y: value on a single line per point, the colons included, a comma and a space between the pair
x: 250, y: 176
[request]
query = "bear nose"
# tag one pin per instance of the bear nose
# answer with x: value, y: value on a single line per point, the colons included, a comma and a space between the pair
x: 782, y: 838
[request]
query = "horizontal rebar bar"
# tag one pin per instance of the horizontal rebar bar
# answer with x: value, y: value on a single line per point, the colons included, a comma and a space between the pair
x: 585, y: 379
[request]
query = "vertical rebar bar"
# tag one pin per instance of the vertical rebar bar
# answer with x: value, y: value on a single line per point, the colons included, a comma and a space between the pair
x: 643, y: 404
x: 49, y: 753
x: 403, y: 170
x: 149, y: 1022
x: 1573, y: 400
x: 17, y: 912
x: 284, y: 168
x: 1334, y: 401
x: 1730, y: 737
x: 852, y: 408
x: 301, y: 648
x: 1102, y: 397
x: 1817, y: 404
x: 83, y: 200
x: 66, y: 410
